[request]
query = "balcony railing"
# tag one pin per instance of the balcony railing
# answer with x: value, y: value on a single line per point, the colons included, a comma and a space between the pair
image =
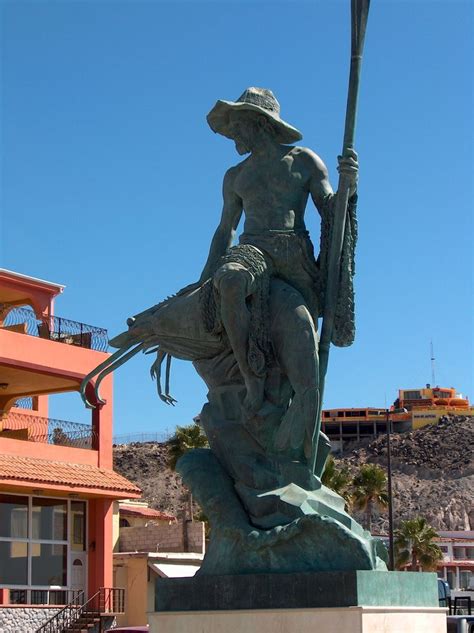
x: 24, y: 403
x: 47, y: 430
x: 24, y: 320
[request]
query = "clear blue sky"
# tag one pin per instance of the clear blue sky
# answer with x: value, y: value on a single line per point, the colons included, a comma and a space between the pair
x: 111, y: 178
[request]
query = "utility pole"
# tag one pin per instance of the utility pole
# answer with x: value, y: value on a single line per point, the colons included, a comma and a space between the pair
x: 391, y: 554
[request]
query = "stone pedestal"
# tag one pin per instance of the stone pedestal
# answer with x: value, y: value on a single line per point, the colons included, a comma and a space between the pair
x: 302, y: 590
x: 352, y: 601
x: 337, y: 620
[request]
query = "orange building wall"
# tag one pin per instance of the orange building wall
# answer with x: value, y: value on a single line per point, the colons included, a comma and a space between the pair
x: 16, y: 289
x: 100, y: 546
x: 56, y: 368
x: 49, y: 367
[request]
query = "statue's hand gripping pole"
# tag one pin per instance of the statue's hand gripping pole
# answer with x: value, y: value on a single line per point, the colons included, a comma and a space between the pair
x: 359, y: 15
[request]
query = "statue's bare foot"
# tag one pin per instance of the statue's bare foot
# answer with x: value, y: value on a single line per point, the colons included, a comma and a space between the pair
x: 254, y: 397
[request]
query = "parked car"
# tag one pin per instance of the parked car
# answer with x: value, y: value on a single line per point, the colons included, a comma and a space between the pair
x: 129, y: 629
x: 460, y: 624
x: 444, y: 593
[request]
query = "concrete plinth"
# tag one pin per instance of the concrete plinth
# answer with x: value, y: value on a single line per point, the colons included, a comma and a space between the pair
x: 338, y: 620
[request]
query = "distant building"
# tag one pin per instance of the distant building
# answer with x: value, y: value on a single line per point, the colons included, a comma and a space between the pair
x: 351, y: 425
x: 423, y: 406
x: 136, y: 513
x: 57, y: 483
x: 457, y: 566
x: 428, y: 405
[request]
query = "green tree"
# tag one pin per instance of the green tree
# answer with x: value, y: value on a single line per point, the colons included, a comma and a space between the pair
x: 185, y: 439
x: 414, y: 545
x: 369, y: 491
x: 337, y: 479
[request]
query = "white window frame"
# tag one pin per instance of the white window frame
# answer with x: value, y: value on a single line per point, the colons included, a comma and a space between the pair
x: 31, y: 541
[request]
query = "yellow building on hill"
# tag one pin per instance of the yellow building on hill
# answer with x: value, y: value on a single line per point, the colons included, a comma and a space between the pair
x: 423, y: 406
x: 428, y: 405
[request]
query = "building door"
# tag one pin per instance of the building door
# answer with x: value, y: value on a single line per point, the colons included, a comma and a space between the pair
x: 78, y: 552
x: 78, y: 572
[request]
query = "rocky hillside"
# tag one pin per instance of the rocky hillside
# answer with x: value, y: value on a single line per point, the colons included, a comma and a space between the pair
x: 433, y: 473
x: 146, y: 464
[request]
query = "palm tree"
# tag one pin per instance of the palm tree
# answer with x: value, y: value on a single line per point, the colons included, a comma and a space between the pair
x: 370, y: 489
x: 185, y: 439
x: 336, y: 479
x: 414, y: 545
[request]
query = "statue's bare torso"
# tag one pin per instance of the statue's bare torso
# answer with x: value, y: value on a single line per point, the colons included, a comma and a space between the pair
x: 272, y: 189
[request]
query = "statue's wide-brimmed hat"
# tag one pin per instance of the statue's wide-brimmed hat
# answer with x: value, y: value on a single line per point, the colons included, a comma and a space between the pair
x: 258, y: 100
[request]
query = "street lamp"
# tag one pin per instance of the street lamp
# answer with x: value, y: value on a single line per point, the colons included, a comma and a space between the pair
x: 388, y: 424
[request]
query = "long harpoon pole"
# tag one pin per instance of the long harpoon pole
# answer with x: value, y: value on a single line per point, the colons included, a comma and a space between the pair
x: 359, y: 15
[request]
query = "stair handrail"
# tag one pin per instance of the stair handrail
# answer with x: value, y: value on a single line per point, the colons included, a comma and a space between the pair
x: 65, y: 617
x: 71, y: 613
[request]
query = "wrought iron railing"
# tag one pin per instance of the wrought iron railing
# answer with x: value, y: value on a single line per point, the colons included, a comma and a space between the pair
x: 24, y: 320
x: 48, y: 430
x: 107, y: 601
x: 24, y: 403
x: 59, y: 597
x: 64, y: 618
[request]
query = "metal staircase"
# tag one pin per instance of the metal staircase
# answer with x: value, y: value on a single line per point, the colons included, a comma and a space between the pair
x: 87, y: 617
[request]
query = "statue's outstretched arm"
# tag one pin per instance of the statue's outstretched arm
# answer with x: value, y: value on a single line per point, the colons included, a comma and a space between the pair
x: 319, y: 186
x: 225, y: 232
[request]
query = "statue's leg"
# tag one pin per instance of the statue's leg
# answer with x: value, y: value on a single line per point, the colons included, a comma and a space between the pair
x: 296, y: 346
x: 234, y: 284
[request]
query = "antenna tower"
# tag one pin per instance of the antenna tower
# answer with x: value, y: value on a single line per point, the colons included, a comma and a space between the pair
x: 433, y: 381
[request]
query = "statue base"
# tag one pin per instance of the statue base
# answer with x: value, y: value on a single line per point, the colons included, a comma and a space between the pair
x: 353, y: 619
x: 355, y: 601
x: 301, y: 590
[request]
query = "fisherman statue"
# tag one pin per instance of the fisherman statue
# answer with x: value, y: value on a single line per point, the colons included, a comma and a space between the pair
x: 249, y: 325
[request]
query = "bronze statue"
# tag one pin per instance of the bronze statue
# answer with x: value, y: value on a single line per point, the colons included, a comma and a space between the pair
x: 250, y: 327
